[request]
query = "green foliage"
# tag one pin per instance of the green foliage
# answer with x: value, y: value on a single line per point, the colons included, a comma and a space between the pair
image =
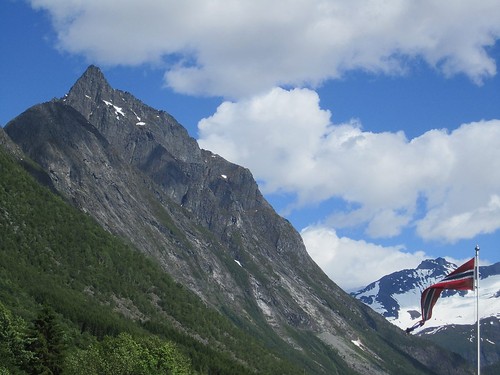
x: 98, y: 287
x: 119, y: 355
x: 123, y: 355
x: 12, y: 342
x: 45, y: 342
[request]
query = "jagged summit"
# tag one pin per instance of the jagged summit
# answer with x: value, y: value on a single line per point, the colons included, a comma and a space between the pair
x: 93, y: 73
x: 93, y: 77
x: 135, y: 129
x: 92, y: 85
x: 433, y: 263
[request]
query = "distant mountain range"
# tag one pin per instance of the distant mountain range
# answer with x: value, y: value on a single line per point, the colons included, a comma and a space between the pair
x: 397, y: 298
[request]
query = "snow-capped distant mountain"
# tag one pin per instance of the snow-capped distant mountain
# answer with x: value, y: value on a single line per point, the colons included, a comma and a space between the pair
x: 397, y: 297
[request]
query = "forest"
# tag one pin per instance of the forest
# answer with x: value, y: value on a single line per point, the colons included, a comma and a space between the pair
x: 74, y: 299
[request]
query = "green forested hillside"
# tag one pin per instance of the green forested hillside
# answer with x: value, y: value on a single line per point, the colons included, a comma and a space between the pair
x: 75, y: 299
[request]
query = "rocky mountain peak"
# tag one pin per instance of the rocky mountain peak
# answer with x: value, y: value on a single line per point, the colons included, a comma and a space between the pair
x: 397, y: 297
x: 91, y: 84
x: 140, y: 175
x: 430, y: 264
x: 138, y: 132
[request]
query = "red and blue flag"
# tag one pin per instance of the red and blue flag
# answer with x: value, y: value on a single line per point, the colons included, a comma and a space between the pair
x: 460, y: 279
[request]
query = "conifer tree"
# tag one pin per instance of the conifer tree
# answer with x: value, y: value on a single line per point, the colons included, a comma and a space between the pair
x: 12, y: 342
x: 46, y: 344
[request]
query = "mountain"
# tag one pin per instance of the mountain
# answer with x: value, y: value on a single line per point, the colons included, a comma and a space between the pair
x: 204, y: 222
x: 397, y: 298
x: 101, y: 293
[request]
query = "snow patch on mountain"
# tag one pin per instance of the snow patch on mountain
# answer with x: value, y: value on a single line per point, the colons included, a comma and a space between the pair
x: 397, y: 296
x: 118, y: 110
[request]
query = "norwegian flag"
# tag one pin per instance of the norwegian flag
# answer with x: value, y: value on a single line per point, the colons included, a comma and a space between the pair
x: 460, y: 279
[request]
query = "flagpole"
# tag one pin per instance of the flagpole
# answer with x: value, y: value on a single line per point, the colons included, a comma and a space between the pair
x: 476, y: 273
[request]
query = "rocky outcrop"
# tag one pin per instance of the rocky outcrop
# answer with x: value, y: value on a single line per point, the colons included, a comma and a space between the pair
x: 8, y: 145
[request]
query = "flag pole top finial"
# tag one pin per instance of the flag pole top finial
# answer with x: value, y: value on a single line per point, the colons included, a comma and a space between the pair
x: 477, y: 248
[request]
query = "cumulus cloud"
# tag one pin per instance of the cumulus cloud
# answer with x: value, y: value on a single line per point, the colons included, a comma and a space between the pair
x: 353, y: 264
x: 282, y: 127
x: 442, y: 184
x: 239, y: 48
x: 445, y: 184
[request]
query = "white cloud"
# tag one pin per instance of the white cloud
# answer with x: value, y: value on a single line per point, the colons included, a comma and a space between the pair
x: 280, y: 129
x: 354, y: 264
x: 239, y: 48
x: 443, y: 183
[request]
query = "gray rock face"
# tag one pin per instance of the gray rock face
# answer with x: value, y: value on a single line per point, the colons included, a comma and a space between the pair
x: 8, y: 145
x: 141, y: 176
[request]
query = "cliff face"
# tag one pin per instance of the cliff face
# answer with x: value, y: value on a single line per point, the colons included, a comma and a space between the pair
x: 140, y: 175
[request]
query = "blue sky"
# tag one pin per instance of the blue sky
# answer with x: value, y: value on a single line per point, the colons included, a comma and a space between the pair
x: 373, y: 126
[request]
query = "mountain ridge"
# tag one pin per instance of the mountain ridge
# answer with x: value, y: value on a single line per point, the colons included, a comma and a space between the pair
x: 137, y: 172
x: 397, y: 297
x: 101, y: 287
